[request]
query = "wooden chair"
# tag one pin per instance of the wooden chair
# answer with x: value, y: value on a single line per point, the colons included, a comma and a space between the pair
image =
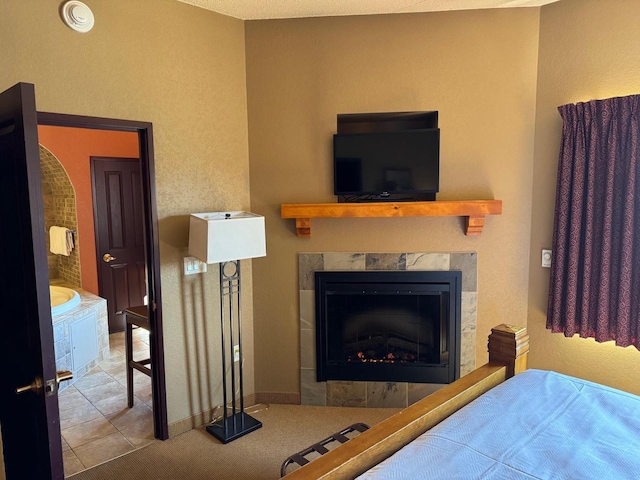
x: 134, y: 316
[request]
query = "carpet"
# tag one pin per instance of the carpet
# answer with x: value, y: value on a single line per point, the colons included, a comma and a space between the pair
x: 286, y: 429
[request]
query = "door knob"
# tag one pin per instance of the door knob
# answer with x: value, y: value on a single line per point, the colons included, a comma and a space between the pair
x: 63, y: 376
x: 108, y: 258
x: 52, y: 385
x: 35, y: 387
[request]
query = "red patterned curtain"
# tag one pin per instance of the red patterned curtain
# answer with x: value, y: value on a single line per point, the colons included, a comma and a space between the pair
x: 595, y: 273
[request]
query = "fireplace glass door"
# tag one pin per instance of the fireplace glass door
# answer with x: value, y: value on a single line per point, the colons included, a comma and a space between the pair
x: 387, y: 325
x: 384, y: 330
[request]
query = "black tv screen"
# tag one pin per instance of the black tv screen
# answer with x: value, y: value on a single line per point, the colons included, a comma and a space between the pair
x: 387, y: 163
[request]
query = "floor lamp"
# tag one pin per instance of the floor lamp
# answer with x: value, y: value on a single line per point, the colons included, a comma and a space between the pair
x: 226, y: 238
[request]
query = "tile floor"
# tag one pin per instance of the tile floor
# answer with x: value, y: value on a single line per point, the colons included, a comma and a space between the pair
x: 96, y: 423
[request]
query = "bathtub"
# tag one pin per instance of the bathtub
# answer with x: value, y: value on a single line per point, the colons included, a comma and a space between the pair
x: 63, y: 299
x: 80, y: 329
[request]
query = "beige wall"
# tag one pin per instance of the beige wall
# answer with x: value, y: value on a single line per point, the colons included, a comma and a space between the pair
x: 588, y: 50
x: 183, y: 69
x: 477, y: 68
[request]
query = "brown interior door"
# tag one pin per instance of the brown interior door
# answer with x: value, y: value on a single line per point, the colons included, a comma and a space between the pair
x: 119, y: 223
x: 30, y: 420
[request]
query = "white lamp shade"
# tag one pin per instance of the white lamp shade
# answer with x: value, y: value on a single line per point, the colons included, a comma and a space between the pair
x: 224, y: 236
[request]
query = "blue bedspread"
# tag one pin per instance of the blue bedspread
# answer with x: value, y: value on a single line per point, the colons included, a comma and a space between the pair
x: 537, y: 425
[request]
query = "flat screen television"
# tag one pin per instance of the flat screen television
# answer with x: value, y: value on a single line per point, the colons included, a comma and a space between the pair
x: 384, y: 165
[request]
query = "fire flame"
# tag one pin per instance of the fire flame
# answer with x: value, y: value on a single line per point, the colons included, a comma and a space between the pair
x: 388, y: 358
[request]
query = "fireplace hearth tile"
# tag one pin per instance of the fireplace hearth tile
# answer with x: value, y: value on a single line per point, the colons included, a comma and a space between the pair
x: 417, y: 391
x: 346, y: 394
x: 343, y: 261
x: 468, y: 264
x: 428, y: 261
x: 308, y: 263
x: 385, y: 261
x: 312, y: 392
x: 386, y: 394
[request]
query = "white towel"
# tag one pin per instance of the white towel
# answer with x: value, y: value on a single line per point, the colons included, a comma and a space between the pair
x: 60, y: 240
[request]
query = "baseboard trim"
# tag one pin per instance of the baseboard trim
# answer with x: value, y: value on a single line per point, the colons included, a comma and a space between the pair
x: 199, y: 419
x: 189, y: 423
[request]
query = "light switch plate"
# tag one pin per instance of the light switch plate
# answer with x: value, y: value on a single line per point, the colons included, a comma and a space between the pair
x: 192, y: 266
x: 546, y: 258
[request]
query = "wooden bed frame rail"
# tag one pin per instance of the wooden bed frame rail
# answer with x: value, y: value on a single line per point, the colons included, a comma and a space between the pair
x: 508, y: 349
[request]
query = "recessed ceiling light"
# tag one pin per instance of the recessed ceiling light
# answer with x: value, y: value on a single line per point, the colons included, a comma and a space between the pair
x: 77, y: 16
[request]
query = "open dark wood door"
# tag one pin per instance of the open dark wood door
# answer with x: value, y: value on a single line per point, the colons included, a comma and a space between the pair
x: 30, y: 420
x: 119, y: 224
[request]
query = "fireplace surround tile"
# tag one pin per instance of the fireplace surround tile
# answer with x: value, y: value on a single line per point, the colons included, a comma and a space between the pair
x: 387, y: 394
x: 307, y: 349
x: 468, y: 352
x: 307, y: 309
x: 469, y: 314
x: 346, y: 394
x: 307, y: 264
x: 343, y: 261
x: 385, y: 261
x: 417, y: 391
x: 340, y: 393
x: 312, y: 392
x: 467, y: 263
x: 428, y: 261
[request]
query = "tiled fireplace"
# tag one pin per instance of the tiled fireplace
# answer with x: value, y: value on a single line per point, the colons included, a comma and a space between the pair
x: 378, y: 394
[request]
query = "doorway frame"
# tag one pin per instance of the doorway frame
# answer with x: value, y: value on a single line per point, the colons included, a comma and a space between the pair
x: 151, y: 240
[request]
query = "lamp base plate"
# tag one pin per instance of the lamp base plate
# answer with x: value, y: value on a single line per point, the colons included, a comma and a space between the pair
x: 238, y: 425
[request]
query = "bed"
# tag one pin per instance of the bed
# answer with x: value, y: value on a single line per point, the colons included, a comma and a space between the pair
x: 489, y: 425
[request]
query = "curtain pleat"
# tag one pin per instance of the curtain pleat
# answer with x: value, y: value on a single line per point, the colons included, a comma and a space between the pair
x: 595, y: 274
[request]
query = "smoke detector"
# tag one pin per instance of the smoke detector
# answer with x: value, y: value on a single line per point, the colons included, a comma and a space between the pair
x: 77, y: 15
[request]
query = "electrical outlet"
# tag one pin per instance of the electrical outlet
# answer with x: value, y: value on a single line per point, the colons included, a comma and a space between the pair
x: 236, y: 353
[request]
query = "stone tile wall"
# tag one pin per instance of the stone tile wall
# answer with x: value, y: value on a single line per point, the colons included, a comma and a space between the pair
x: 378, y: 394
x: 59, y: 209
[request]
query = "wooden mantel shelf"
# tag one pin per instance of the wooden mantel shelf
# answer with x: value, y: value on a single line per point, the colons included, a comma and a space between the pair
x: 474, y: 210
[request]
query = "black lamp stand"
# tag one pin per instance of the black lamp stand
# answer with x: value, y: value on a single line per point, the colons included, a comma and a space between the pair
x: 231, y: 427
